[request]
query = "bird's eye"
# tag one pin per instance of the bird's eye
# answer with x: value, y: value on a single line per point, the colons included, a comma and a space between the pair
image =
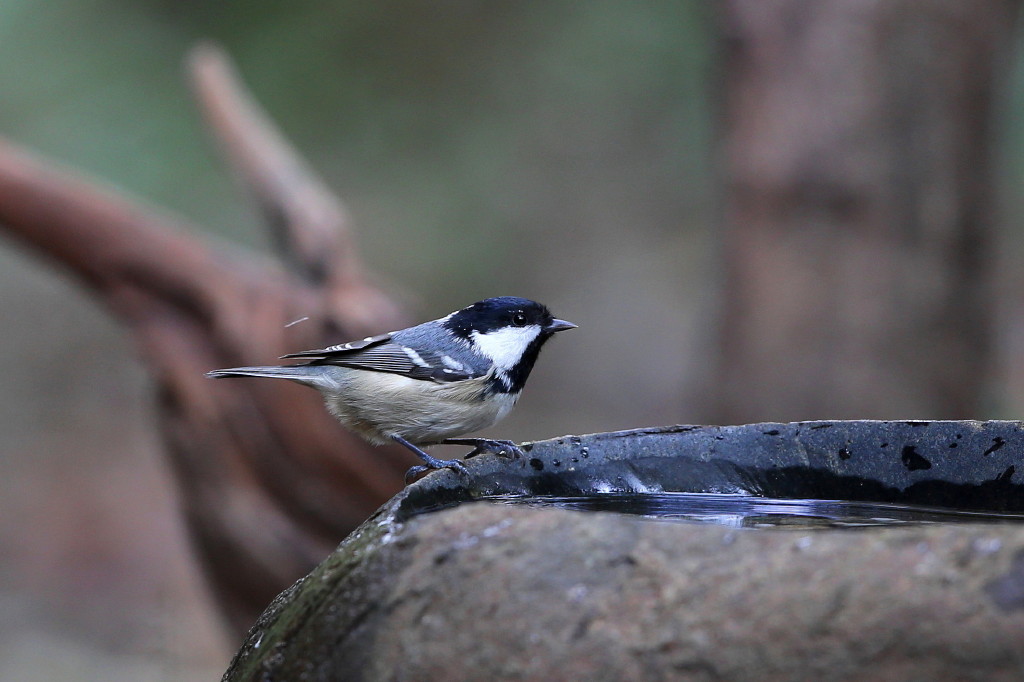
x: 519, y: 319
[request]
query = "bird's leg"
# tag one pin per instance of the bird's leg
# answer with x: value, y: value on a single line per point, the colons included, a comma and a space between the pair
x: 428, y: 461
x: 504, y: 448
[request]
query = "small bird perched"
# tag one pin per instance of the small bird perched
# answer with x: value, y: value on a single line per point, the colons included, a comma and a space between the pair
x: 425, y: 384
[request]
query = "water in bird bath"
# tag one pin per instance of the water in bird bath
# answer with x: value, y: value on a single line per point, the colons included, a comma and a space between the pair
x: 805, y: 474
x: 746, y: 511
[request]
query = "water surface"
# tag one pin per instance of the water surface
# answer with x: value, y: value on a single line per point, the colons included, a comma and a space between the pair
x: 744, y: 511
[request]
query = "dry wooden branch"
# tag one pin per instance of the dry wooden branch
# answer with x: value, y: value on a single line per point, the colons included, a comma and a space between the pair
x: 269, y: 482
x: 310, y: 223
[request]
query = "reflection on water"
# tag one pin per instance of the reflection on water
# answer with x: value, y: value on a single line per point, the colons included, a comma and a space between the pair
x: 743, y: 511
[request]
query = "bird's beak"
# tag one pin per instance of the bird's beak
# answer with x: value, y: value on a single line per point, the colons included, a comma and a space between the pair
x: 560, y: 326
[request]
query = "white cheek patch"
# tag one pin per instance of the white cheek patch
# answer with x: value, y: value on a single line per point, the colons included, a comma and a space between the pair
x: 505, y: 346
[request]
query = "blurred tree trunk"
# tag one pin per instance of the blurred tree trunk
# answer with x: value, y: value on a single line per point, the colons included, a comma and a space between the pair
x: 858, y: 206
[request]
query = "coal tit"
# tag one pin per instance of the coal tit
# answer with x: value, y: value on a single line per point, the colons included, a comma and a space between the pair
x: 426, y: 384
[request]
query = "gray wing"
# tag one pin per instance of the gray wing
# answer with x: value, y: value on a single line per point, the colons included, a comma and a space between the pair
x: 341, y: 349
x: 382, y: 354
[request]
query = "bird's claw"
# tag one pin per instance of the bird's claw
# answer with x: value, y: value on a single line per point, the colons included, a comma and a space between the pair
x: 502, y: 448
x: 453, y: 464
x: 413, y: 472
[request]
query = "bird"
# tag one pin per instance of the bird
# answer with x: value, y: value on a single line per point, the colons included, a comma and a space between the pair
x: 428, y: 384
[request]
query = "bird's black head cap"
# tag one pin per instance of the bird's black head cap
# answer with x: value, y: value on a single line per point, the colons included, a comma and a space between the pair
x: 495, y: 313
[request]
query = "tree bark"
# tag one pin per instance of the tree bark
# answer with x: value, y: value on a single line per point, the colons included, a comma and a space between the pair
x: 858, y: 207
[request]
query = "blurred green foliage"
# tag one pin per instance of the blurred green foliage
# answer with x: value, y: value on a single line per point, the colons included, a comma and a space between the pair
x: 458, y: 132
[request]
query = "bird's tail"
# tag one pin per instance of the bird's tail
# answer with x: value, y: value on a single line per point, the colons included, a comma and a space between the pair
x: 304, y: 374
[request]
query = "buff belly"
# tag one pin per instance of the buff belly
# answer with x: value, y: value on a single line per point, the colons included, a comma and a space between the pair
x: 378, y: 405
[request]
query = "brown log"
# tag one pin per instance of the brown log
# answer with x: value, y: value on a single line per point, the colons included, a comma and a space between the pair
x: 269, y: 482
x: 858, y: 214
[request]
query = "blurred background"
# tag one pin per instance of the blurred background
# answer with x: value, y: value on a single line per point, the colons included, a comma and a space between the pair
x: 567, y: 152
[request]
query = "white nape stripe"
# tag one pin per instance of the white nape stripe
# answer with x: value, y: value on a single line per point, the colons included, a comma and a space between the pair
x: 415, y: 357
x: 505, y: 346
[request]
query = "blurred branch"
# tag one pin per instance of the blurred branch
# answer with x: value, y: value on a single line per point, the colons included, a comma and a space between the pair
x: 101, y: 237
x: 309, y: 222
x: 269, y: 482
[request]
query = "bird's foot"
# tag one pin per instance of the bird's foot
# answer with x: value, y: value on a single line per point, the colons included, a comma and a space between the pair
x: 429, y: 462
x: 502, y: 448
x: 434, y: 463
